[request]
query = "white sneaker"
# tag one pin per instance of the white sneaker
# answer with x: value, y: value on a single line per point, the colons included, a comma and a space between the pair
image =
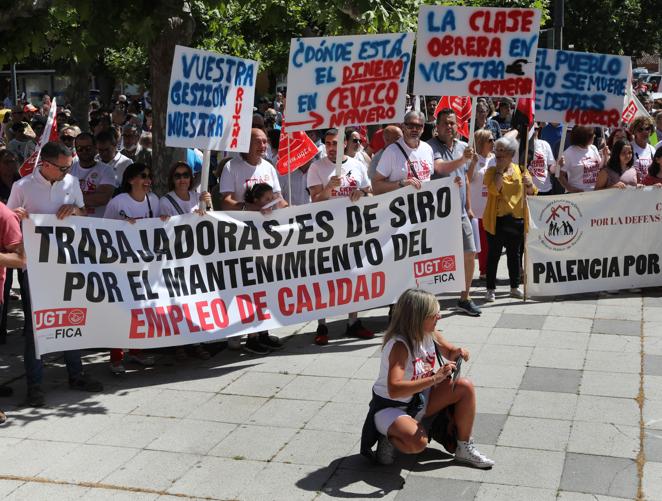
x: 517, y: 293
x: 490, y: 296
x: 467, y: 453
x: 385, y: 451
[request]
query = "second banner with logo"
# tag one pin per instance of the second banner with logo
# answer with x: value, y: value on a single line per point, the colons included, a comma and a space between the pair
x: 604, y: 240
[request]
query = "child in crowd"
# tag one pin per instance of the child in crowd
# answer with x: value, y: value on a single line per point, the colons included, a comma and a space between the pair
x: 261, y: 195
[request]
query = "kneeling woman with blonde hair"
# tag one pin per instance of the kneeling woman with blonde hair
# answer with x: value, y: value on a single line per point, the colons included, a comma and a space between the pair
x: 411, y: 386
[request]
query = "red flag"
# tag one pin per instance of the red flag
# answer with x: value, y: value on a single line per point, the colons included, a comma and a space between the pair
x: 525, y: 107
x: 301, y: 150
x: 461, y: 105
x: 50, y: 134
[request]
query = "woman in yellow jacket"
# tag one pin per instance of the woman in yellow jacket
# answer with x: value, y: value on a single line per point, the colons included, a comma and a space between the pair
x: 505, y: 216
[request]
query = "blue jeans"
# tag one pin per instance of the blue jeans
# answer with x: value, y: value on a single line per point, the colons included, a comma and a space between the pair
x: 34, y: 368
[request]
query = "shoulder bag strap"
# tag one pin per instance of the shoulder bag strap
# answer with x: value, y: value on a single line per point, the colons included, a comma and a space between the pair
x: 409, y: 162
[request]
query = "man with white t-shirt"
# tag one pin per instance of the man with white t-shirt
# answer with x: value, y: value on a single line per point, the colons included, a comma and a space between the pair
x: 408, y: 161
x: 243, y: 172
x: 237, y: 176
x: 324, y: 184
x: 108, y: 154
x: 97, y: 180
x: 49, y: 190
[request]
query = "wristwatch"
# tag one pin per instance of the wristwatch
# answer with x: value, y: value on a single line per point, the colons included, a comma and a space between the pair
x: 401, y: 183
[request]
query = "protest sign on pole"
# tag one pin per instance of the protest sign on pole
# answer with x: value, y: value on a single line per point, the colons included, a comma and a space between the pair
x: 579, y: 88
x: 333, y: 82
x: 476, y: 51
x: 106, y: 283
x: 50, y: 133
x: 210, y: 101
x: 594, y: 241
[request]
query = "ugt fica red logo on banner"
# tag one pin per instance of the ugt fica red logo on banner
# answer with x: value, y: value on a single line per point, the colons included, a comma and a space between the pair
x: 60, y: 317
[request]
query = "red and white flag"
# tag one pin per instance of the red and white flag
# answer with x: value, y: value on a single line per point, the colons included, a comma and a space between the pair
x: 461, y: 105
x: 50, y: 134
x: 300, y: 148
x: 632, y: 108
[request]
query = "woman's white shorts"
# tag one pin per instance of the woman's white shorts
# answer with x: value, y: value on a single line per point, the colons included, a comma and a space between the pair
x: 386, y: 417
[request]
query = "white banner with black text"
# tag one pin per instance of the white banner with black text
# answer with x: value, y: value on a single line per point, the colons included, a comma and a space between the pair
x: 594, y: 241
x: 106, y: 283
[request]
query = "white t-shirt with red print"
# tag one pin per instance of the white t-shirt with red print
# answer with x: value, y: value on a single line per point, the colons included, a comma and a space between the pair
x: 90, y: 179
x: 394, y: 166
x: 543, y: 159
x: 353, y: 176
x: 582, y: 166
x: 238, y: 175
x: 420, y: 364
x: 643, y: 158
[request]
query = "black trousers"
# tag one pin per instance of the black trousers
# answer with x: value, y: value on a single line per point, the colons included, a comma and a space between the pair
x: 509, y: 234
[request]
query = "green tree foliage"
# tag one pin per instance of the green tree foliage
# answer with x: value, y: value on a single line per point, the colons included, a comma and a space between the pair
x: 627, y: 27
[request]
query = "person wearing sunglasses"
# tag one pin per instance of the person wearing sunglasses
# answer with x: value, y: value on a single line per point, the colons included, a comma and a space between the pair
x: 642, y: 128
x: 135, y: 200
x: 50, y: 189
x: 408, y: 161
x: 354, y: 148
x: 97, y: 179
x: 182, y: 198
x: 412, y: 388
x: 68, y: 136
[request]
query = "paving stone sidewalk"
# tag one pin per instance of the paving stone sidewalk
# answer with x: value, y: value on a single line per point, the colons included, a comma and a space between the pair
x: 558, y: 386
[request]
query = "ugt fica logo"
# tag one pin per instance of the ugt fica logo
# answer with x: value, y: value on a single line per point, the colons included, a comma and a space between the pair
x: 560, y: 225
x: 66, y: 322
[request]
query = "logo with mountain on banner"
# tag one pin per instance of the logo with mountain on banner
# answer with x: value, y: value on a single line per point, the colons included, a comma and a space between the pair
x: 560, y: 225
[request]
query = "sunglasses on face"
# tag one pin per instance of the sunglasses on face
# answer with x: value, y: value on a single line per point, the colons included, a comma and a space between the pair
x: 356, y: 140
x: 67, y: 138
x: 490, y: 140
x: 644, y: 129
x: 181, y: 175
x: 414, y: 126
x: 146, y: 175
x: 62, y: 168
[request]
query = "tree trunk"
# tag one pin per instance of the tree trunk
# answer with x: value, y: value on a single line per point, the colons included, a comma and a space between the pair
x: 178, y: 30
x: 78, y: 93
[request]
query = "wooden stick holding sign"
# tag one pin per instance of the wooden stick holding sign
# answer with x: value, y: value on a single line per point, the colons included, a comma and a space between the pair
x: 564, y: 133
x: 525, y: 207
x: 204, y: 177
x: 472, y: 121
x: 340, y: 151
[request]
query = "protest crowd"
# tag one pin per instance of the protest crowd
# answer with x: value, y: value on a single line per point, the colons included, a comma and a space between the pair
x: 111, y: 164
x: 107, y: 172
